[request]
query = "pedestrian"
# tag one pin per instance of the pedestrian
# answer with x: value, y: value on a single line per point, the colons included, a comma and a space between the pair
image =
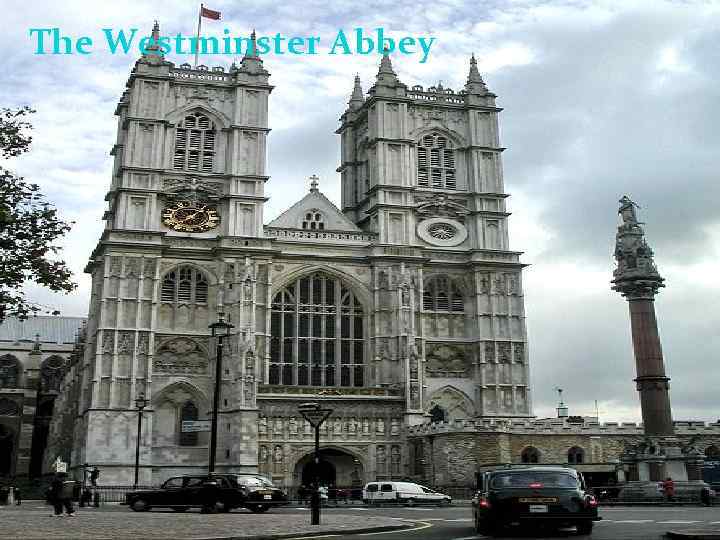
x: 669, y: 489
x: 18, y: 499
x: 61, y: 492
x: 706, y: 496
x: 94, y: 475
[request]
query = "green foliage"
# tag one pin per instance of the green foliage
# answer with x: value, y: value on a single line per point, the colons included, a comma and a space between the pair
x: 29, y: 226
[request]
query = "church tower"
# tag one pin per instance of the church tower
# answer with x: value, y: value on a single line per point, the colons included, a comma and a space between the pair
x: 183, y: 242
x: 421, y: 168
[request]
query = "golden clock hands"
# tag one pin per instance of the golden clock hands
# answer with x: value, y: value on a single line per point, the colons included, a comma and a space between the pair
x: 192, y: 216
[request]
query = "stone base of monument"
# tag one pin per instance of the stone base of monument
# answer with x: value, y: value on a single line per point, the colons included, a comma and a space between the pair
x: 649, y: 491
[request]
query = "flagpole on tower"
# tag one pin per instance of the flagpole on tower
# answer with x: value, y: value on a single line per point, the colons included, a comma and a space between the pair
x: 197, y: 41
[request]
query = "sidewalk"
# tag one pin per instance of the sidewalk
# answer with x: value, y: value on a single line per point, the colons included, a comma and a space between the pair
x: 32, y: 523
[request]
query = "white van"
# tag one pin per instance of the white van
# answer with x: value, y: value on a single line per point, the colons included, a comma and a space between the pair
x: 402, y: 493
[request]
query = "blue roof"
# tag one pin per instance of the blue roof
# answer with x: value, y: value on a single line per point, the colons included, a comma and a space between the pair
x: 50, y: 329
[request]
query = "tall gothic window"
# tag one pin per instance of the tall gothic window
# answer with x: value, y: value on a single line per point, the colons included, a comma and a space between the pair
x: 436, y: 162
x: 317, y: 334
x: 576, y: 455
x: 188, y: 412
x: 442, y: 294
x: 185, y: 285
x: 194, y: 144
x: 9, y: 371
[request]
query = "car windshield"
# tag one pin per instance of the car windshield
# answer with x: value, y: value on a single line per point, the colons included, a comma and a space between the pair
x: 534, y: 480
x: 254, y: 481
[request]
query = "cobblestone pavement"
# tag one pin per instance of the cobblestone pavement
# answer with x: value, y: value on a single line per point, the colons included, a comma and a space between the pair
x: 34, y: 522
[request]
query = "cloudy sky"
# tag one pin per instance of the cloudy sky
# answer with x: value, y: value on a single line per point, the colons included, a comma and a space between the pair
x: 601, y: 99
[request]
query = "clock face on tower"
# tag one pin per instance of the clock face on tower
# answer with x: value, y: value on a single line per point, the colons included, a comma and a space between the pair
x: 190, y: 216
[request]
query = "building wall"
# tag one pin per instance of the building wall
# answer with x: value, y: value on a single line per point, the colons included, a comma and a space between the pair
x: 34, y: 355
x: 461, y: 449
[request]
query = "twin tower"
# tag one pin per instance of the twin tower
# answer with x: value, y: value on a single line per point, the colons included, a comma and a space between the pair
x: 403, y: 305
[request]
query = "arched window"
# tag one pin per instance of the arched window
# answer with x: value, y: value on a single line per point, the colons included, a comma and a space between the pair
x: 8, y: 407
x: 442, y: 294
x: 436, y: 162
x: 712, y: 452
x: 51, y: 374
x: 194, y: 144
x: 188, y: 412
x: 317, y: 334
x: 576, y: 455
x: 9, y: 372
x: 185, y: 285
x: 313, y: 221
x: 530, y: 454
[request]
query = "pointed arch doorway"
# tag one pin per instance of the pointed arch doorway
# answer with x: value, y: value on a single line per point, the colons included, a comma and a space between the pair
x: 336, y: 468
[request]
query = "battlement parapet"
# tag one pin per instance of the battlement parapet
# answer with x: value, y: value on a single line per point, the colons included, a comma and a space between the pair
x: 554, y: 427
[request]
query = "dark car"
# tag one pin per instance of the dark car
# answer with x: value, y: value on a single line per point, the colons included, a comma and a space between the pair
x: 217, y: 492
x: 550, y: 496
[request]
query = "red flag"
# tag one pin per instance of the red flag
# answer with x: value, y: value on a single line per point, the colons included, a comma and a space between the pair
x: 209, y: 13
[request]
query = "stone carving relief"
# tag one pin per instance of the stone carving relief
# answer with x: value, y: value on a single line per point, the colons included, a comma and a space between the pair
x: 180, y: 356
x: 441, y: 206
x: 108, y: 342
x: 263, y: 454
x: 125, y: 343
x: 446, y: 361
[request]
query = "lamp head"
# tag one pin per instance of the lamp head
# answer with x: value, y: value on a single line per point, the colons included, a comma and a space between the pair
x: 140, y: 401
x: 221, y: 328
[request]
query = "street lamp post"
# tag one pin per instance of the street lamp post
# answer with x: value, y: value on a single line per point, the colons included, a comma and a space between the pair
x: 315, y: 415
x: 140, y: 403
x: 220, y: 330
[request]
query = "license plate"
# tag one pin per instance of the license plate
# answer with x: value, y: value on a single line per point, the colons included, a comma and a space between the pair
x: 538, y: 508
x: 538, y: 499
x: 267, y: 496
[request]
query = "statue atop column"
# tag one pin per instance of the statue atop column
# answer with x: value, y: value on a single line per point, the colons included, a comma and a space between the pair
x: 636, y: 275
x: 638, y: 280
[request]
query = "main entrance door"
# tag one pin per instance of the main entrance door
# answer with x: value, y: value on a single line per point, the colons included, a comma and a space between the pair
x: 6, y: 451
x: 336, y: 468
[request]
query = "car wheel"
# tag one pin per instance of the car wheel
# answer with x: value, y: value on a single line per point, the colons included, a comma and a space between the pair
x: 180, y: 508
x: 411, y: 502
x: 259, y: 508
x: 444, y: 502
x: 482, y: 526
x: 585, y: 527
x: 140, y: 505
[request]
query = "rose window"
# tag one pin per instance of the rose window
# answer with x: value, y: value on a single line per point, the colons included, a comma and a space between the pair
x: 442, y: 231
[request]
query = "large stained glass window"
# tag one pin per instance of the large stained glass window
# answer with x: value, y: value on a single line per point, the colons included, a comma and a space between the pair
x: 317, y: 334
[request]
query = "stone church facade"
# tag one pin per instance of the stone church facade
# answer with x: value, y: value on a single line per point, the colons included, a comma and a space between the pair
x: 404, y: 303
x: 400, y: 308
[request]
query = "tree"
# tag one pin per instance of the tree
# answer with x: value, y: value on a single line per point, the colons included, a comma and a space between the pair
x: 29, y: 227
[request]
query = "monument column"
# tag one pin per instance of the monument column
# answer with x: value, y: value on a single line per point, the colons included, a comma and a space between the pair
x: 638, y: 280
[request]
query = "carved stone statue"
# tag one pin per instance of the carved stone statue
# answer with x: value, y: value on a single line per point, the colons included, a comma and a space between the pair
x: 262, y: 425
x: 380, y: 426
x: 366, y: 426
x: 394, y: 426
x: 292, y: 425
x: 337, y: 426
x: 263, y: 454
x: 627, y: 211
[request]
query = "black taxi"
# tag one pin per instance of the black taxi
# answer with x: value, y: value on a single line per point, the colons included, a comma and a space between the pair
x: 539, y: 496
x: 211, y: 493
